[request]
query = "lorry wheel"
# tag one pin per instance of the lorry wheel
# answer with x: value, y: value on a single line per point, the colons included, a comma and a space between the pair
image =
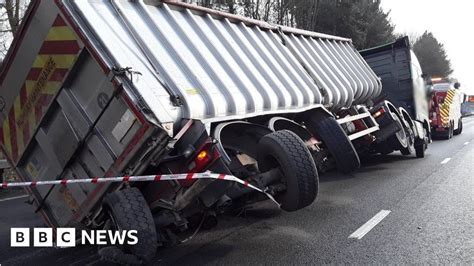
x: 447, y: 134
x: 128, y: 210
x: 335, y: 140
x: 420, y: 150
x: 459, y: 130
x: 451, y: 130
x: 421, y: 147
x: 410, y: 148
x: 399, y: 140
x: 286, y: 151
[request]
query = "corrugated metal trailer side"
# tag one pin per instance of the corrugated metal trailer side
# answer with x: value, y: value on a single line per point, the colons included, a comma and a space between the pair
x: 221, y: 66
x: 66, y: 116
x: 198, y: 63
x: 337, y: 68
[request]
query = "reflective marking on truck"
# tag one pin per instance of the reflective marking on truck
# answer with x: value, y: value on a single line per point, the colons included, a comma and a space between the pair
x: 21, y: 111
x: 57, y: 55
x: 62, y: 61
x: 60, y: 34
x: 445, y: 107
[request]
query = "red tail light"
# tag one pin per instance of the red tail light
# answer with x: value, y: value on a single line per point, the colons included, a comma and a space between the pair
x: 202, y: 159
x: 379, y: 112
x: 206, y: 155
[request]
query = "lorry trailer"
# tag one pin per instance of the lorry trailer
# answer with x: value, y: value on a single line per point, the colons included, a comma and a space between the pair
x: 94, y: 89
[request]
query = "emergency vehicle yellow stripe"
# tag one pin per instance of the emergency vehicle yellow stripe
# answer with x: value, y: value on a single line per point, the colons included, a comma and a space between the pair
x: 445, y: 108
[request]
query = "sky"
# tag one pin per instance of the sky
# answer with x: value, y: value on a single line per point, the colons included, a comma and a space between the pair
x: 451, y: 22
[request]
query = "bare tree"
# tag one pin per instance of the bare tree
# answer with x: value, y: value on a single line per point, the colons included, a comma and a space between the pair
x: 274, y: 11
x: 11, y: 14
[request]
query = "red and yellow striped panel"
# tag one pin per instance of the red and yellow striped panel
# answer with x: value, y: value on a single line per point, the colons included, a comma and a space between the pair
x: 446, y: 107
x: 55, y: 58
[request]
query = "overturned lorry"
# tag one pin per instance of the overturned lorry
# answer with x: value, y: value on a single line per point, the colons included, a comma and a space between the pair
x: 93, y: 89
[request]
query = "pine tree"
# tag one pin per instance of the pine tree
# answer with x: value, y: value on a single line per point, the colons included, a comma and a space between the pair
x: 362, y: 20
x: 432, y: 56
x: 372, y: 25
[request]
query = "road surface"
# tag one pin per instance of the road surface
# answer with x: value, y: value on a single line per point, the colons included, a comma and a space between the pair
x: 394, y: 210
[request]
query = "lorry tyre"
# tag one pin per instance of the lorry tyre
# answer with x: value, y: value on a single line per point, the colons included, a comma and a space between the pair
x: 421, y: 146
x: 447, y: 134
x: 410, y: 148
x: 399, y: 140
x: 335, y: 140
x: 420, y: 150
x: 285, y: 150
x: 128, y: 210
x: 451, y: 130
x: 459, y: 130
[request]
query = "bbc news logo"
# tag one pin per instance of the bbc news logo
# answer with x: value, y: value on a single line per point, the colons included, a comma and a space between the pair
x: 66, y: 237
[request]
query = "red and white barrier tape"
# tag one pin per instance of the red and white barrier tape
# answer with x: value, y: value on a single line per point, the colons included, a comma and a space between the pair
x: 190, y: 176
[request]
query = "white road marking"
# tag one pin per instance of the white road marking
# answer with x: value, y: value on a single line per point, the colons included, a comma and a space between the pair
x: 13, y: 198
x: 364, y: 229
x: 445, y: 161
x: 466, y: 143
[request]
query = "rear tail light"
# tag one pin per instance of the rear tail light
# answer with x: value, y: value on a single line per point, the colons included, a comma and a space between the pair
x: 206, y: 155
x: 202, y: 156
x: 202, y: 159
x: 379, y: 112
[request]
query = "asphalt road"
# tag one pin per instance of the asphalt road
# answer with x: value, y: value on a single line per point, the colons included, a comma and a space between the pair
x: 430, y: 206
